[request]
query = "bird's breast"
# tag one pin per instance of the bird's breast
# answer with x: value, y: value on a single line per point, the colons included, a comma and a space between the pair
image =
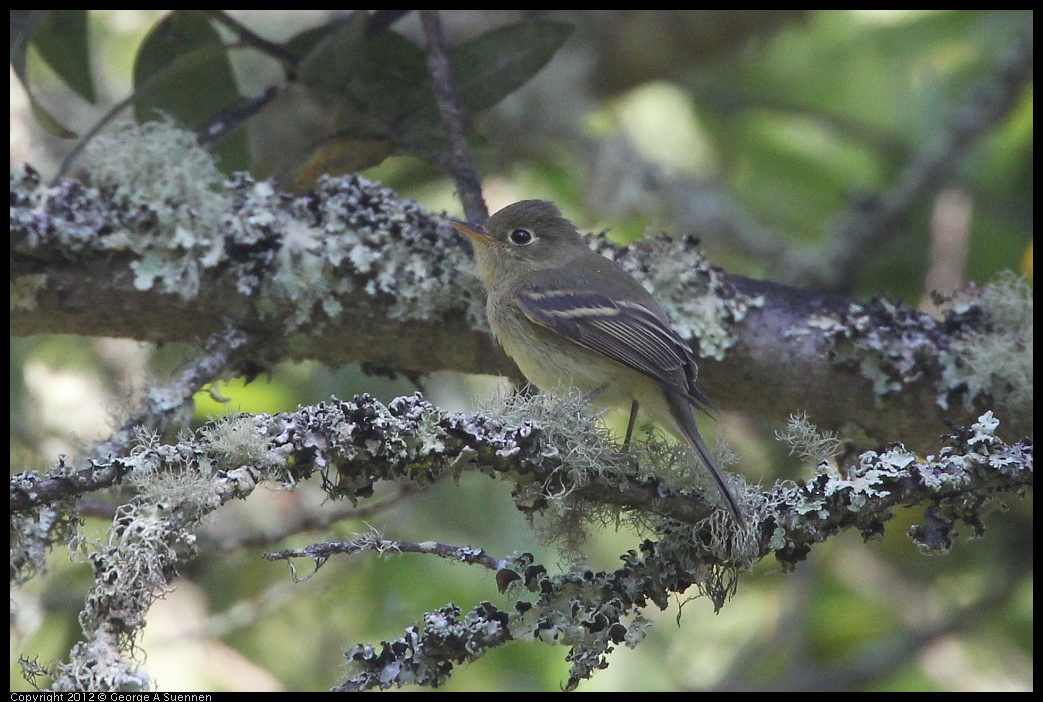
x: 557, y: 365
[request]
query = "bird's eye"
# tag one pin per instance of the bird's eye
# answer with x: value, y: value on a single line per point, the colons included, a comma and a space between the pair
x: 521, y: 237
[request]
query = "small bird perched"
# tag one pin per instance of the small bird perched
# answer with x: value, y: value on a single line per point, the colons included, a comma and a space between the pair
x: 570, y: 317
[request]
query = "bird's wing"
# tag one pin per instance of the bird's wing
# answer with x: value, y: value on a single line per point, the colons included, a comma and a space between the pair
x: 629, y: 332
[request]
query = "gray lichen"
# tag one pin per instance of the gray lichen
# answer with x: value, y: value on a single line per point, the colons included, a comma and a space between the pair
x: 349, y: 236
x: 355, y: 444
x: 981, y: 352
x: 155, y: 194
x: 891, y: 345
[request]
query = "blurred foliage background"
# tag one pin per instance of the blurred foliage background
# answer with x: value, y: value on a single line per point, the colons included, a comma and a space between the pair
x: 760, y: 132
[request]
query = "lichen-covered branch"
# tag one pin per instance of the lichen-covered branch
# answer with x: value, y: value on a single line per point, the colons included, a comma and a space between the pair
x: 563, y: 467
x: 159, y: 247
x: 165, y: 254
x: 592, y: 612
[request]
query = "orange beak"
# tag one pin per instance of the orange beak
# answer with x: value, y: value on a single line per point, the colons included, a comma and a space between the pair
x: 476, y: 233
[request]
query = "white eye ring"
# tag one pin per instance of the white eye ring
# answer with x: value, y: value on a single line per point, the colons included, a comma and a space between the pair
x: 521, y: 237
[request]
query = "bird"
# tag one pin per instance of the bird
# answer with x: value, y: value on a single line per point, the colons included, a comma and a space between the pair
x: 571, y: 318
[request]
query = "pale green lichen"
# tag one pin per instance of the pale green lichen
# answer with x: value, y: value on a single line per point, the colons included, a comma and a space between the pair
x: 168, y: 190
x: 242, y: 440
x: 998, y: 359
x: 982, y: 350
x: 812, y: 445
x: 570, y: 432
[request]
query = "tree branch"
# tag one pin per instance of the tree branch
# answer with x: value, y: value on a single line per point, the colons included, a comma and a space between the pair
x: 372, y: 541
x: 356, y: 444
x: 303, y: 274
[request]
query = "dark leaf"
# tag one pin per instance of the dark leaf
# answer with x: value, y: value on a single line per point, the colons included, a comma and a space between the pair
x: 485, y: 70
x: 61, y: 38
x: 183, y: 70
x: 495, y: 64
x: 21, y: 26
x: 393, y: 82
x: 330, y: 53
x: 383, y: 90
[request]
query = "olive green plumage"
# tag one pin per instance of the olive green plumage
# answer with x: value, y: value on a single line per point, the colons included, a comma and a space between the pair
x: 570, y: 317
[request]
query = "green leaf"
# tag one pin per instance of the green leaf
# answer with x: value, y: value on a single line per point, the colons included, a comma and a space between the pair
x: 61, y: 38
x: 330, y: 53
x: 183, y: 70
x: 392, y: 80
x: 495, y: 64
x: 21, y: 32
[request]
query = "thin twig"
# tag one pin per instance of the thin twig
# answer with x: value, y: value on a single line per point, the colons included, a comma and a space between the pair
x: 249, y: 37
x: 302, y: 519
x: 161, y: 406
x: 371, y: 541
x: 458, y: 152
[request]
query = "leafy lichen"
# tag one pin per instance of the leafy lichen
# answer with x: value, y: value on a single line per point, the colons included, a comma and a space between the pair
x: 168, y: 191
x: 980, y: 352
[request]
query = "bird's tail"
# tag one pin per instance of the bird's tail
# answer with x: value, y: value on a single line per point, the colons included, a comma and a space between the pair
x: 682, y: 412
